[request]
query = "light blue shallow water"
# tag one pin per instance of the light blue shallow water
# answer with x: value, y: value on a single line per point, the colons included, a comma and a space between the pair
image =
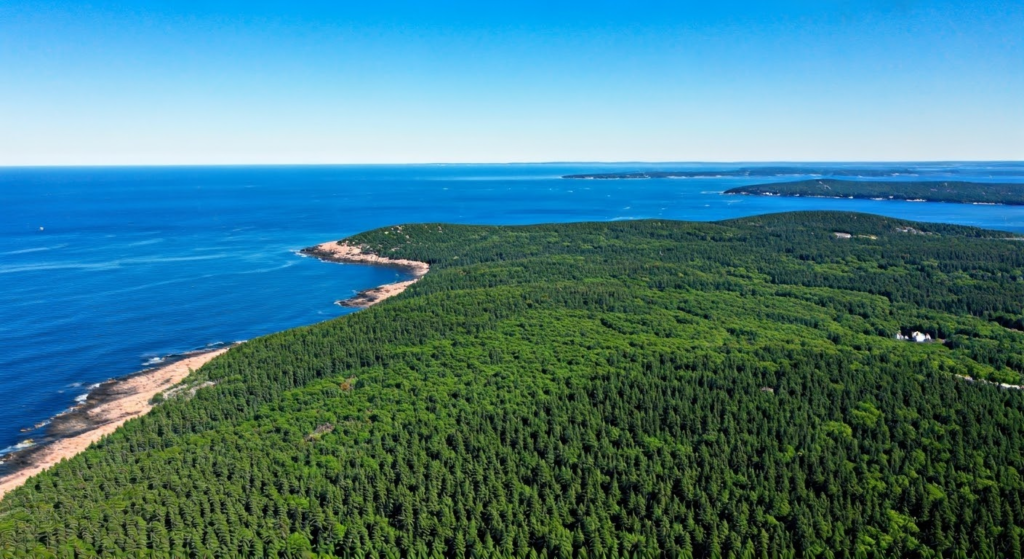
x: 102, y: 270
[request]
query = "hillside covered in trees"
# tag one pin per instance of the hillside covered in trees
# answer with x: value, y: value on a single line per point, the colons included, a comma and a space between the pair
x: 960, y: 192
x: 626, y: 389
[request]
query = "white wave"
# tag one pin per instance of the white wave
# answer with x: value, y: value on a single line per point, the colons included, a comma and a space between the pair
x: 20, y: 446
x: 82, y: 398
x: 265, y: 270
x: 161, y: 260
x: 39, y: 425
x: 98, y: 266
x: 136, y: 288
x: 153, y: 361
x: 28, y: 250
x: 44, y: 266
x: 146, y: 242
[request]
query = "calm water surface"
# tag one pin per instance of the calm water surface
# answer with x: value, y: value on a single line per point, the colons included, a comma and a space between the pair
x: 104, y: 270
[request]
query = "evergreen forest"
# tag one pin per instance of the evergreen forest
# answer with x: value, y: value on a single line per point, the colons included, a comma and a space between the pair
x: 596, y: 390
x: 959, y: 192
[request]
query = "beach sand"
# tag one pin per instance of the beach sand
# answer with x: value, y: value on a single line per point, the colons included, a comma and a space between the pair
x: 123, y: 399
x: 350, y: 254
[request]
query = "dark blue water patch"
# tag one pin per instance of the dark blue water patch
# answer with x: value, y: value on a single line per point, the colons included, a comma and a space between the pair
x: 104, y: 270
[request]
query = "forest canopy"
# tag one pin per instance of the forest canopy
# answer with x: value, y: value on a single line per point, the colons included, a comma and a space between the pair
x: 625, y: 389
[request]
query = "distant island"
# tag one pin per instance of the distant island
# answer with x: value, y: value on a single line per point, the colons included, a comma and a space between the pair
x: 780, y: 171
x: 749, y: 172
x: 960, y: 192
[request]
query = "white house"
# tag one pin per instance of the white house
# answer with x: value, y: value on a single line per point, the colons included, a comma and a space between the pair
x: 915, y: 337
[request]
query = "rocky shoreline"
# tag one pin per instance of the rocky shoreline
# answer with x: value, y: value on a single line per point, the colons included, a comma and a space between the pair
x: 345, y: 253
x: 108, y: 405
x: 111, y: 403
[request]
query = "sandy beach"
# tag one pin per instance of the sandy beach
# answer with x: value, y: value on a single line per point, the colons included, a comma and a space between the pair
x: 107, y: 408
x: 352, y: 254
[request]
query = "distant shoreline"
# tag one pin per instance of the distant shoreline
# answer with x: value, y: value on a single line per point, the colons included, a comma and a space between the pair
x: 341, y: 252
x: 876, y: 199
x: 108, y: 406
x: 954, y: 192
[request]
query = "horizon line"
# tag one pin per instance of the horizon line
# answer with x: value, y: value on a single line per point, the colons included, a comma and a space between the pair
x: 497, y: 163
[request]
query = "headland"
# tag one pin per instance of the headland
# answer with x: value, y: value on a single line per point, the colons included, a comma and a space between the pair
x: 339, y: 251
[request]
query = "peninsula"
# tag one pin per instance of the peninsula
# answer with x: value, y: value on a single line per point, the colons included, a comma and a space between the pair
x: 960, y: 192
x: 342, y: 252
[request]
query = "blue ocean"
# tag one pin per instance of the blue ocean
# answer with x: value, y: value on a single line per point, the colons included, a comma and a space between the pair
x: 104, y: 271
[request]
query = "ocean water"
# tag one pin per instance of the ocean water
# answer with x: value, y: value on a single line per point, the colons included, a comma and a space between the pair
x: 106, y: 270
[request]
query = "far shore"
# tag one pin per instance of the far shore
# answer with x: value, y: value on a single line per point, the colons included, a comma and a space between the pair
x: 107, y: 407
x: 337, y: 251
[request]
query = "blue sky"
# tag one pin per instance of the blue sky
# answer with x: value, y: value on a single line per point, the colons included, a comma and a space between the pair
x: 391, y: 82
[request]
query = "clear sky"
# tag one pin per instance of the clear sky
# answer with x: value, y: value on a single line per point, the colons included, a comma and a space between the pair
x: 179, y: 82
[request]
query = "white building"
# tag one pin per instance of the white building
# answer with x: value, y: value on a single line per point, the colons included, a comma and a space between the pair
x: 915, y: 337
